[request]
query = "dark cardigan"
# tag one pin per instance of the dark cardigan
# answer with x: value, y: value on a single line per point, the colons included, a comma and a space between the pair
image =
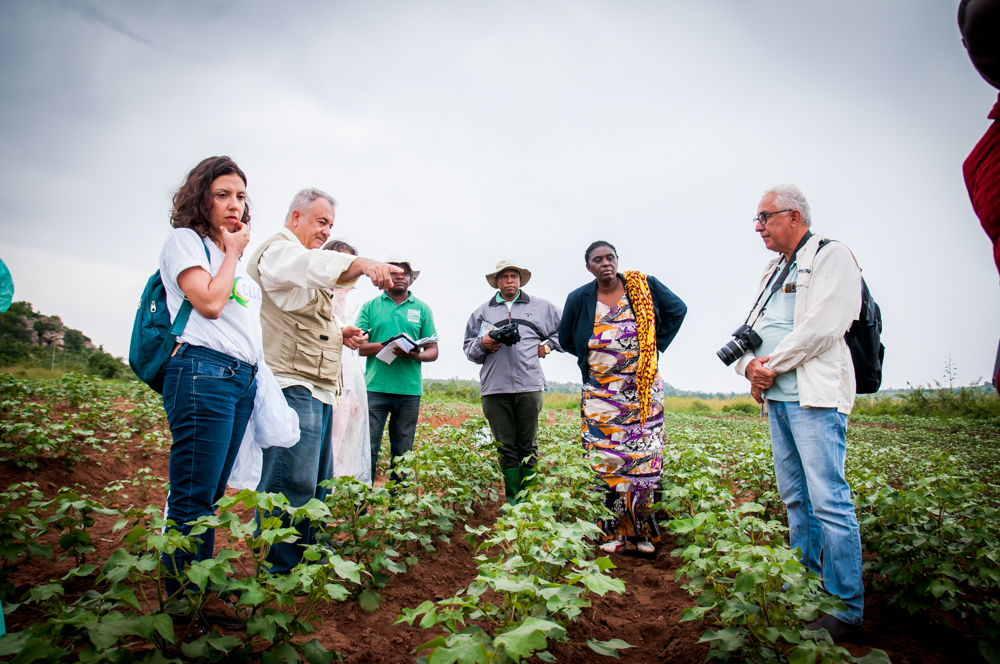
x: 577, y: 326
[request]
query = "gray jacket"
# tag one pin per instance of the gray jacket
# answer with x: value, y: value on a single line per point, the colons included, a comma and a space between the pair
x: 514, y: 368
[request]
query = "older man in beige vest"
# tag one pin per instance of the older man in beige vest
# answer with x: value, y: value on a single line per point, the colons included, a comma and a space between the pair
x: 302, y: 345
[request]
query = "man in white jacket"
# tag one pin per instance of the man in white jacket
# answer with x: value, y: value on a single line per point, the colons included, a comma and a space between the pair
x: 803, y: 373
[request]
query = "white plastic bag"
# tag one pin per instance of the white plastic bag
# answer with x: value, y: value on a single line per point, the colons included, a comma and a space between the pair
x: 273, y: 424
x: 351, y: 442
x: 249, y: 464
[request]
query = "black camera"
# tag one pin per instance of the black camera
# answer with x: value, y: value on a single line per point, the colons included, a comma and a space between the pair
x: 744, y: 341
x: 508, y: 335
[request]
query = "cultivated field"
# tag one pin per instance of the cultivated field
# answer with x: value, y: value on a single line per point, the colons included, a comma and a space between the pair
x: 437, y: 570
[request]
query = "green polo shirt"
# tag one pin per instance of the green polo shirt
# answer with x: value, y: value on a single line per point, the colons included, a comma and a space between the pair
x: 386, y: 319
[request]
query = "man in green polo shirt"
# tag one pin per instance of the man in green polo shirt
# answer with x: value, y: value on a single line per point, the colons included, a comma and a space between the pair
x: 394, y: 389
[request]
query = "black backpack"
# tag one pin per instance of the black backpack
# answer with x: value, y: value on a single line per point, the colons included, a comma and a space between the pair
x: 863, y: 338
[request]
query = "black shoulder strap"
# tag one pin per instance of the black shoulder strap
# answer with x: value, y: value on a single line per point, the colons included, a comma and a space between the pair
x: 776, y: 283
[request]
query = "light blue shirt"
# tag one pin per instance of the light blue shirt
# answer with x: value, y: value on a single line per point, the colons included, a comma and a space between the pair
x: 774, y: 325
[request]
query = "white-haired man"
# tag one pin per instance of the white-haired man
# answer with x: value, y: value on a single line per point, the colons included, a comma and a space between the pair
x: 302, y: 346
x: 803, y: 371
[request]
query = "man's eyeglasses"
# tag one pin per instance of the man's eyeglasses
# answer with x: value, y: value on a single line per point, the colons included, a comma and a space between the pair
x: 764, y: 216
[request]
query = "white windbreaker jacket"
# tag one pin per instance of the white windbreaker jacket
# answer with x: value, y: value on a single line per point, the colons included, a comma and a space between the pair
x: 827, y: 301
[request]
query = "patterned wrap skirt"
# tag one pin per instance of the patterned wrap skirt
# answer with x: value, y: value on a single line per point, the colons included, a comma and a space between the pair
x: 626, y: 456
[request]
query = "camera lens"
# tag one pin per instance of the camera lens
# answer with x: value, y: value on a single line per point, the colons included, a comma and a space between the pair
x: 732, y: 351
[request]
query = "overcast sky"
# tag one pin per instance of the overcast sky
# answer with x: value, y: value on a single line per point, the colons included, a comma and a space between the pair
x: 463, y: 133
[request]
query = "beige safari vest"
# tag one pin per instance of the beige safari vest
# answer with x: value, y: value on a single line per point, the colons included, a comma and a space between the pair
x: 305, y: 343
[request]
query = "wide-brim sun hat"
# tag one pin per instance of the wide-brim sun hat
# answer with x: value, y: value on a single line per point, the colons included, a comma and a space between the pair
x: 400, y: 258
x: 507, y: 264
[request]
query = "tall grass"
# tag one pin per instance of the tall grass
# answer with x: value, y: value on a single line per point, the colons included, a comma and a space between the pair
x: 742, y: 405
x: 37, y: 373
x: 972, y: 401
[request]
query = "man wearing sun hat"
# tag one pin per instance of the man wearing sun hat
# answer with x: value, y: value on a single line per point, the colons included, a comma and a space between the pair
x: 511, y: 379
x: 394, y: 389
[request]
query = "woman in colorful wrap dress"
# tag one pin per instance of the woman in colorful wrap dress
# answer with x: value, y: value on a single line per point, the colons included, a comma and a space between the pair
x: 616, y: 326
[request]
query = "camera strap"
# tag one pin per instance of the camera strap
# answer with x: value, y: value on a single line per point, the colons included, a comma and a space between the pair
x: 776, y: 283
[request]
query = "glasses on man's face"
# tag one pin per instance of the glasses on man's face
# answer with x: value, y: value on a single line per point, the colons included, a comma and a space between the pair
x: 764, y: 216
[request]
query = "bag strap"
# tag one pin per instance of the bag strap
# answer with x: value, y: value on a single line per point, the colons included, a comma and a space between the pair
x: 776, y: 283
x: 180, y: 321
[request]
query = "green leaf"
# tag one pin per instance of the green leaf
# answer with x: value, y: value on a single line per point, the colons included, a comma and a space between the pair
x: 989, y: 652
x: 316, y: 654
x: 437, y: 642
x: 369, y: 600
x: 199, y: 649
x: 263, y: 626
x: 429, y: 619
x: 337, y: 592
x: 161, y: 623
x: 29, y: 649
x: 226, y: 643
x: 466, y: 651
x: 253, y: 595
x: 546, y: 656
x: 608, y: 648
x: 529, y: 637
x: 84, y: 570
x: 877, y: 656
x: 283, y: 652
x: 112, y: 627
x: 744, y: 582
x: 346, y: 569
x: 604, y: 563
x: 157, y: 657
x: 601, y: 584
x: 513, y: 585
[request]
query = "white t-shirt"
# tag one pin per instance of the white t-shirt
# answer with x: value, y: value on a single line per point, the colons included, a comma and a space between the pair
x: 237, y: 331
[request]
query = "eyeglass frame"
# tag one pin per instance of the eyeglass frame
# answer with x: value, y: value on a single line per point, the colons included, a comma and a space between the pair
x: 765, y: 215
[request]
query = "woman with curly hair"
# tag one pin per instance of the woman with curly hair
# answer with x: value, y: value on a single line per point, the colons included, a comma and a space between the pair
x: 209, y: 386
x: 616, y: 325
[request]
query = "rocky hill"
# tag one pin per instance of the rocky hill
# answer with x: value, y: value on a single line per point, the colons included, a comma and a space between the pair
x: 29, y: 338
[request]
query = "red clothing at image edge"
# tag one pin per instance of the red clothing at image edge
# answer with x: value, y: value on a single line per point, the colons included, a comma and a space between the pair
x: 982, y: 178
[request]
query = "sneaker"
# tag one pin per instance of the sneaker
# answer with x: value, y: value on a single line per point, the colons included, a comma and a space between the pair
x: 646, y: 546
x: 835, y: 627
x: 612, y: 546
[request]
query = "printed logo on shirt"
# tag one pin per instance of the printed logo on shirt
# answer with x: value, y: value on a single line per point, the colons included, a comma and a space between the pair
x: 413, y: 315
x: 244, y: 291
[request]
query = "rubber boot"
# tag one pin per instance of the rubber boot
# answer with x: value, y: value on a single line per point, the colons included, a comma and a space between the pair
x: 527, y: 476
x: 511, y: 484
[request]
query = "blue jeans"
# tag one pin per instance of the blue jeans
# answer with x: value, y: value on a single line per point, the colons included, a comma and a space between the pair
x: 404, y: 410
x: 296, y: 471
x: 809, y: 446
x: 208, y: 397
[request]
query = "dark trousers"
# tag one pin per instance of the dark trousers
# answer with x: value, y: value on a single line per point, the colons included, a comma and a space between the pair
x: 513, y: 419
x: 402, y: 411
x: 296, y: 471
x: 208, y: 397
